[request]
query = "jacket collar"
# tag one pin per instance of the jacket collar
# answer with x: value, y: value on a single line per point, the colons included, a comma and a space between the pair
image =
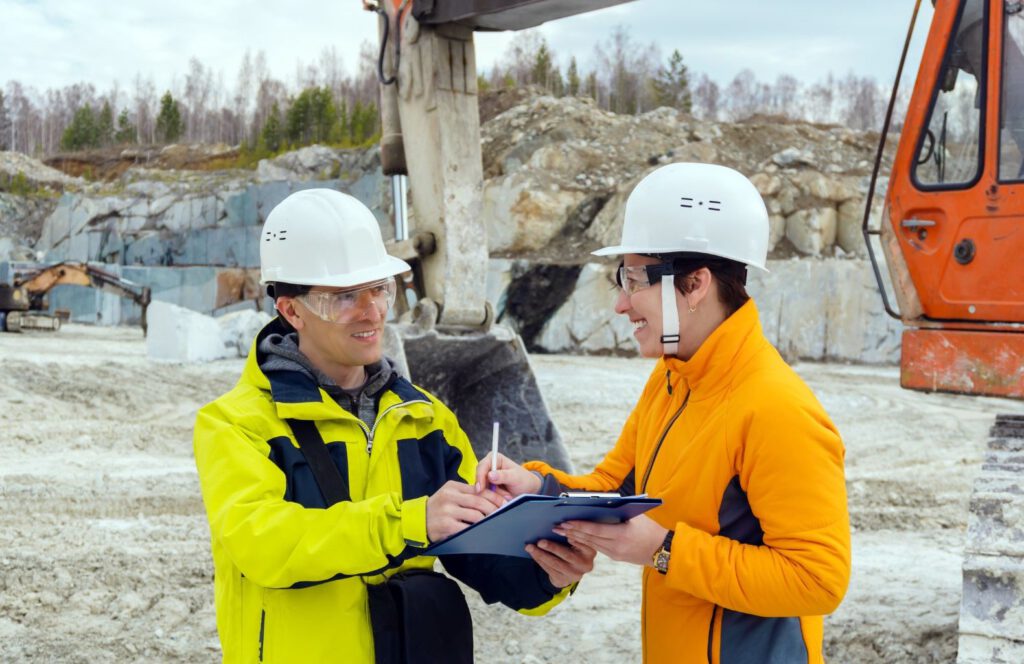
x: 297, y: 395
x: 729, y: 346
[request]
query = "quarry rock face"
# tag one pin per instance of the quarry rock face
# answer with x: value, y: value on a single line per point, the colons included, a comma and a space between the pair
x: 546, y: 157
x: 557, y: 174
x: 810, y: 310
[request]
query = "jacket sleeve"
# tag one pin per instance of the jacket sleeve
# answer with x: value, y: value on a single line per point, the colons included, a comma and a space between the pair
x: 518, y: 583
x: 791, y: 470
x: 614, y: 473
x: 277, y: 543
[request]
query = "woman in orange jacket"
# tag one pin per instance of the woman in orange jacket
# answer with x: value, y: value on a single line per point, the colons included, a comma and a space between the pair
x: 751, y: 546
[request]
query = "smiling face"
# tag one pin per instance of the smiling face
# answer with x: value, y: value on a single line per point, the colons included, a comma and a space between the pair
x: 341, y: 348
x: 354, y: 340
x: 643, y: 308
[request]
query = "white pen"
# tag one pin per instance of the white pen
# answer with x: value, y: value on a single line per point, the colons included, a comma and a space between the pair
x: 494, y: 451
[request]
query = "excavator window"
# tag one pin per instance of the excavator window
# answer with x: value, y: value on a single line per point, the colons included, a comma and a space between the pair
x: 1011, y: 125
x: 950, y: 148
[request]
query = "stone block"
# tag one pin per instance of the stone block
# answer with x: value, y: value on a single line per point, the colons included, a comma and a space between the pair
x: 268, y: 195
x: 241, y: 209
x: 238, y: 329
x: 177, y: 334
x: 813, y: 231
x: 587, y: 322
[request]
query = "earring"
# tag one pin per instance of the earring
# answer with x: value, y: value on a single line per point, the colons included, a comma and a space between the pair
x: 692, y: 308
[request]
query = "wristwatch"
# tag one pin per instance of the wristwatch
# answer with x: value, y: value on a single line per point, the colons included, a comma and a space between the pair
x: 661, y: 556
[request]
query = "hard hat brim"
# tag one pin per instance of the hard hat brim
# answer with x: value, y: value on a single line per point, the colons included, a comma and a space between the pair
x: 390, y: 267
x: 622, y: 250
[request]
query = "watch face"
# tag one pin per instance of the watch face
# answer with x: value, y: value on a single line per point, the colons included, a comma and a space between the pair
x: 661, y: 561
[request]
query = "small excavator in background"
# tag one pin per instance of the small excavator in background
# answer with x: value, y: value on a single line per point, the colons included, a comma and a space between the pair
x: 24, y: 288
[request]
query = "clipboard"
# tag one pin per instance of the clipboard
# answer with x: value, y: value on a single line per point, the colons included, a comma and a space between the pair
x: 530, y: 517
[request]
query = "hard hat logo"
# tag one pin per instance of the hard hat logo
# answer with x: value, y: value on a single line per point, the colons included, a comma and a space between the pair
x: 698, y: 208
x: 322, y: 237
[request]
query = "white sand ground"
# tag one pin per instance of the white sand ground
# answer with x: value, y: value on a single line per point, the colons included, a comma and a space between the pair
x: 104, y: 552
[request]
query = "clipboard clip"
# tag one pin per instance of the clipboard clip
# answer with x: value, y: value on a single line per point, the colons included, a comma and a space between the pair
x: 590, y: 494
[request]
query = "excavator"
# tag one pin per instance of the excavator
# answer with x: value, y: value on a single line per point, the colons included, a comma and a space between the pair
x: 24, y: 287
x: 952, y: 239
x: 951, y: 236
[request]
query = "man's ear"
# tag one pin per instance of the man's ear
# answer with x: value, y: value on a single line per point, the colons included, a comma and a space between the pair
x: 286, y: 307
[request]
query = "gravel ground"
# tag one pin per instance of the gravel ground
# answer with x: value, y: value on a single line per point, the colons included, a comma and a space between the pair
x: 105, y: 553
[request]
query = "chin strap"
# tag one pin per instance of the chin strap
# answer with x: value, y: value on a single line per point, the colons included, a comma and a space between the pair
x: 669, y: 315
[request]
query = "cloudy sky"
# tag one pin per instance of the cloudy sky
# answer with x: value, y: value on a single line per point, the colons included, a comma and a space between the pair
x: 53, y: 43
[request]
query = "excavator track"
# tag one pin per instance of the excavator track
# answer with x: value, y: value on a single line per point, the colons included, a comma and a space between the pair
x: 992, y: 608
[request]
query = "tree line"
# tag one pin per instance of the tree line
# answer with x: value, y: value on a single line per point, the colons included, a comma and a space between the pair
x: 324, y: 103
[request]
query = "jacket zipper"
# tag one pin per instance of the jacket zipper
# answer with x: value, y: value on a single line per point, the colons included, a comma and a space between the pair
x: 369, y: 433
x: 263, y: 620
x: 657, y: 448
x: 711, y: 634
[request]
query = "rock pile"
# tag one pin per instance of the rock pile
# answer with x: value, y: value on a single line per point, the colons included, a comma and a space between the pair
x: 559, y: 170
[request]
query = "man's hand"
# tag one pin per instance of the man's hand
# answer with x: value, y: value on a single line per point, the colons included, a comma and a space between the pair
x: 634, y: 541
x: 457, y: 505
x: 509, y: 480
x: 565, y: 565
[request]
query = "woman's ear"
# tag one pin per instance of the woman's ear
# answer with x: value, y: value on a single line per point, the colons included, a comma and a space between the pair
x: 286, y: 307
x: 696, y: 287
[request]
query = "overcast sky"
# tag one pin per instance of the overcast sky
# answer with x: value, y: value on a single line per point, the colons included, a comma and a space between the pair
x: 53, y: 43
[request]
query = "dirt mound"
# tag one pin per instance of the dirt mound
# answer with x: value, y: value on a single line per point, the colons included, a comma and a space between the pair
x: 108, y: 164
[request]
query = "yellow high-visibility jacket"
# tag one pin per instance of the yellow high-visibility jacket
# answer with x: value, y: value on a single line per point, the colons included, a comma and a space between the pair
x: 750, y: 469
x: 290, y: 576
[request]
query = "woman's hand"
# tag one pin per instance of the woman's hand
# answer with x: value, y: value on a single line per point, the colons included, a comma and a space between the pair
x: 509, y: 480
x: 564, y: 564
x: 634, y: 541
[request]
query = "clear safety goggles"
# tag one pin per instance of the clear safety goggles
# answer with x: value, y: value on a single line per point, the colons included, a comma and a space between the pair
x: 345, y: 306
x: 638, y: 277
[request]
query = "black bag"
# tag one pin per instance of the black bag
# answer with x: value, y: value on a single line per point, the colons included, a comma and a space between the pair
x: 420, y: 617
x: 417, y: 616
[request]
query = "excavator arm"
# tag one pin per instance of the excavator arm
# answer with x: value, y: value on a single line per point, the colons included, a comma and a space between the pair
x: 430, y: 134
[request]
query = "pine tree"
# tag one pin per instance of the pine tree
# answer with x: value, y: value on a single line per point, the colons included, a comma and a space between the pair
x: 271, y: 135
x: 590, y: 88
x: 671, y: 86
x: 126, y: 132
x: 540, y: 73
x: 105, y: 126
x: 83, y: 132
x: 572, y: 83
x: 169, y: 126
x: 312, y: 117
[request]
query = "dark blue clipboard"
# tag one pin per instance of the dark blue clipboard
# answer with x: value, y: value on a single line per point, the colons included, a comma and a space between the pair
x: 530, y: 518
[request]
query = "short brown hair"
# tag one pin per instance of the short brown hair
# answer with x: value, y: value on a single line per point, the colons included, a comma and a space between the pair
x: 731, y: 276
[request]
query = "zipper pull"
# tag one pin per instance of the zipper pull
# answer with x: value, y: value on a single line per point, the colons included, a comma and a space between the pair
x: 369, y: 442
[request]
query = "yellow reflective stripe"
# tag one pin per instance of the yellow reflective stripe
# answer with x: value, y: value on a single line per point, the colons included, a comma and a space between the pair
x: 551, y: 603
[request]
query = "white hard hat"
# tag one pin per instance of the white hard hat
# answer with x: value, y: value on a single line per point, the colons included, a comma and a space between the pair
x: 695, y: 208
x: 322, y: 237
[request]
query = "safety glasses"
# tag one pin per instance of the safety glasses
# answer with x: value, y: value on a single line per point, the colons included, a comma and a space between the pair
x: 346, y: 305
x: 639, y: 277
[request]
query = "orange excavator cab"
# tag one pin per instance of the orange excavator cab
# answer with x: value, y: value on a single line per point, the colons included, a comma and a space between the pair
x: 953, y: 229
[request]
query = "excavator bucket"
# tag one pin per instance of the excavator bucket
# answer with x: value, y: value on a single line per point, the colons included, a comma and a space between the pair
x: 486, y: 377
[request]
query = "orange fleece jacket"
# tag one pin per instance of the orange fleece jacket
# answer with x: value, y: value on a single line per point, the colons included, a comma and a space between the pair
x: 750, y: 469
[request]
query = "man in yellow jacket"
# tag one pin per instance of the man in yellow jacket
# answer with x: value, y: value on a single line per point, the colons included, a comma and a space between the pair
x: 751, y: 547
x: 325, y: 473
